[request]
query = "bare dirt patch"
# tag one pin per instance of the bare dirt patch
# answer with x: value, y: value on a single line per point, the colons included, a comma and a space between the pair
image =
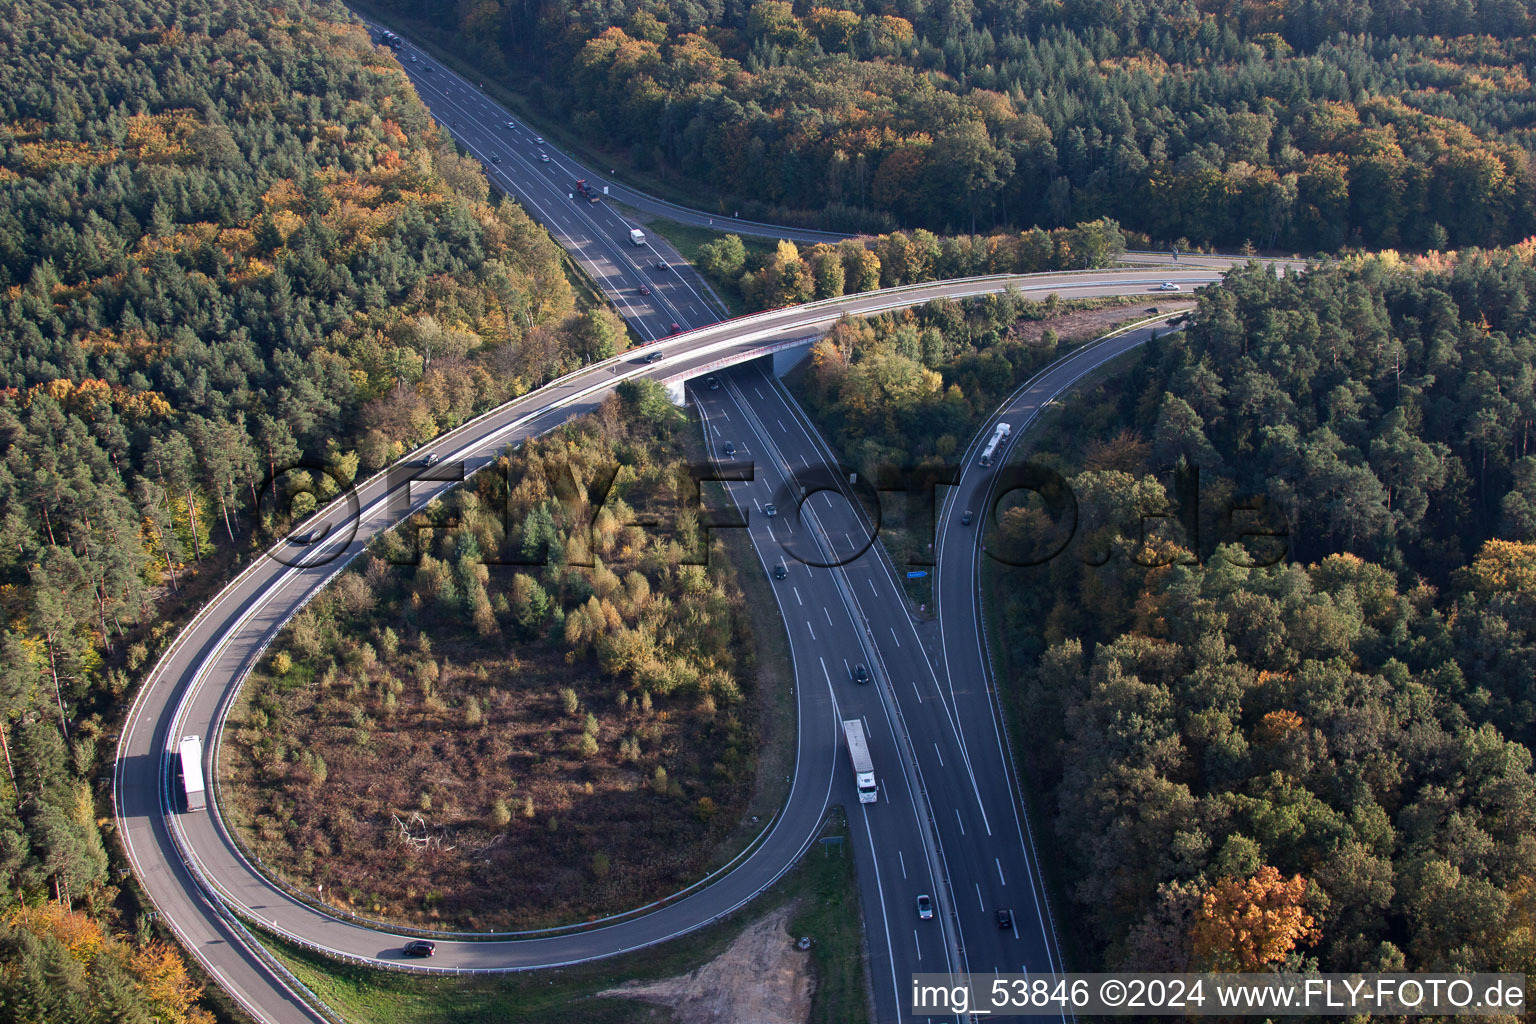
x: 761, y: 978
x: 1087, y: 324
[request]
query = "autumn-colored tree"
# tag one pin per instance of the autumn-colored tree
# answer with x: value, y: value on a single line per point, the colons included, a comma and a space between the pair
x: 1248, y: 924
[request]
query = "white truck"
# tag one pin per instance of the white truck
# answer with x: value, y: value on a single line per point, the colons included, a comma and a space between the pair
x: 636, y: 236
x: 998, y: 435
x: 191, y: 750
x: 863, y: 767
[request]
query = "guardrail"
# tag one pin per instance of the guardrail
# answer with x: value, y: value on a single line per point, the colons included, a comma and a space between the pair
x: 890, y: 298
x: 994, y: 696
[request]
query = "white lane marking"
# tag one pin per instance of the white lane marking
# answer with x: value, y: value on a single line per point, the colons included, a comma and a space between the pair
x: 895, y: 637
x: 903, y: 863
x: 917, y: 691
x: 828, y: 614
x: 941, y: 765
x: 885, y: 921
x: 797, y: 596
x: 917, y: 945
x: 809, y: 630
x: 998, y: 861
x: 782, y: 428
x: 759, y: 393
x: 872, y: 589
x: 978, y: 896
x: 957, y: 817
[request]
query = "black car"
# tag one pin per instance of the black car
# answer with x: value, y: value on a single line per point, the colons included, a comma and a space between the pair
x: 779, y: 572
x: 730, y: 448
x: 1005, y: 919
x: 419, y: 947
x: 713, y: 382
x: 495, y: 159
x: 661, y: 265
x: 860, y: 674
x: 653, y: 357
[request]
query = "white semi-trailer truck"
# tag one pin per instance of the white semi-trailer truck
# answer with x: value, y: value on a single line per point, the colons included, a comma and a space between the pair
x: 863, y: 767
x: 999, y: 434
x: 192, y: 772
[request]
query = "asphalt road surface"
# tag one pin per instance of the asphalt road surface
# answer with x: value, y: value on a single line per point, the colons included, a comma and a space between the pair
x: 191, y: 686
x: 935, y: 740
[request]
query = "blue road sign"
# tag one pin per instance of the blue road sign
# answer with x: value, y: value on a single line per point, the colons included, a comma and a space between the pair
x: 919, y: 574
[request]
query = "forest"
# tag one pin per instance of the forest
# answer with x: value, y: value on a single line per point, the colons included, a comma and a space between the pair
x: 1304, y: 127
x: 823, y: 271
x: 230, y: 238
x: 568, y: 701
x: 1336, y: 742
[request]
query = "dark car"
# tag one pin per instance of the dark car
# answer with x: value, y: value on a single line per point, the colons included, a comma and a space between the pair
x: 770, y: 510
x: 779, y: 572
x: 653, y: 357
x: 860, y: 674
x: 495, y: 159
x: 661, y: 265
x: 713, y: 382
x: 430, y: 460
x: 966, y: 517
x: 419, y: 947
x: 924, y: 907
x: 426, y: 67
x: 309, y: 536
x: 1005, y: 919
x: 730, y: 448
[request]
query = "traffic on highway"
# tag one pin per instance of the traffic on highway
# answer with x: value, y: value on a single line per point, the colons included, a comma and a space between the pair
x: 898, y: 719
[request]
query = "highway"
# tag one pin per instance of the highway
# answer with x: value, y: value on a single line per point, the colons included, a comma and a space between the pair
x: 192, y: 684
x: 437, y: 83
x: 933, y: 745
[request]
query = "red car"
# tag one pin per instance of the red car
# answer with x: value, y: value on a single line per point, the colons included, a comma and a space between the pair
x: 677, y: 329
x: 645, y: 289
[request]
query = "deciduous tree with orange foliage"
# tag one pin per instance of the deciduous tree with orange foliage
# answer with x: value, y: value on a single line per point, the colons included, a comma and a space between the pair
x: 1249, y: 924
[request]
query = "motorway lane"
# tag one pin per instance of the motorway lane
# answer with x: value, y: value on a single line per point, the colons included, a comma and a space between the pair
x: 893, y: 860
x: 594, y: 233
x: 617, y: 189
x: 270, y: 594
x: 979, y: 824
x: 963, y: 666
